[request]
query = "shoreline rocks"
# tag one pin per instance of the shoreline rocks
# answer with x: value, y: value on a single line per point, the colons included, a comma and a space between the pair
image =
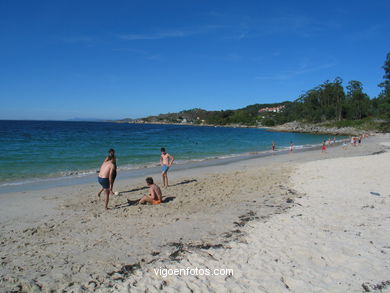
x: 318, y: 129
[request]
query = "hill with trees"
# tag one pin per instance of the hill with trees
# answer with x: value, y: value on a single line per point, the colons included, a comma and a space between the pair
x: 329, y: 103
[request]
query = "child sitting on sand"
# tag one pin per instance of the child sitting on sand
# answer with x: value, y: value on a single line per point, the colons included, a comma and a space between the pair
x: 155, y: 195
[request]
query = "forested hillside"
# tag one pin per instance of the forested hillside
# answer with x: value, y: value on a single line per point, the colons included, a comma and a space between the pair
x: 331, y: 101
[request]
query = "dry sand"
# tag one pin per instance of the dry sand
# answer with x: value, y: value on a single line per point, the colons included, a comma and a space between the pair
x: 304, y: 222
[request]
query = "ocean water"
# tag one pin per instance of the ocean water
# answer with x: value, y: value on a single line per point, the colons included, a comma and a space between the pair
x: 34, y: 150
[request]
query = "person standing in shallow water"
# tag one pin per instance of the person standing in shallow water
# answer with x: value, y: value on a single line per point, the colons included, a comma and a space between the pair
x: 166, y: 161
x: 291, y: 146
x: 273, y: 146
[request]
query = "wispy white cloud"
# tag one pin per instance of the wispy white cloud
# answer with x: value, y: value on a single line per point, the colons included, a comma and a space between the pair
x: 293, y: 24
x: 77, y: 39
x: 156, y: 36
x: 145, y: 54
x: 136, y: 51
x: 240, y: 27
x: 365, y: 34
x: 233, y: 57
x: 304, y: 68
x: 236, y: 27
x: 172, y: 33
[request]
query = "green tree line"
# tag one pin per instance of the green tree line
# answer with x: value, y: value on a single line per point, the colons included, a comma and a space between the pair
x: 330, y: 101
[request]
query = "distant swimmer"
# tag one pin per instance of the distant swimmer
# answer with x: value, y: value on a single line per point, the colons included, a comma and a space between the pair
x: 155, y: 194
x: 166, y: 161
x: 106, y: 177
x: 273, y: 146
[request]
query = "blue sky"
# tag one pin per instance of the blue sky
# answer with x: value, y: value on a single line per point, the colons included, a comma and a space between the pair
x: 116, y: 59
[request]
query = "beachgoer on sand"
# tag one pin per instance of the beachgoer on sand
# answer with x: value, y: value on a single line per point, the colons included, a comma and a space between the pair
x: 105, y: 177
x: 323, y: 149
x: 155, y: 194
x: 166, y: 161
x: 111, y: 153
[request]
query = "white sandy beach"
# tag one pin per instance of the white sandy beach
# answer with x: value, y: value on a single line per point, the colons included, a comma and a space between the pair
x: 302, y: 222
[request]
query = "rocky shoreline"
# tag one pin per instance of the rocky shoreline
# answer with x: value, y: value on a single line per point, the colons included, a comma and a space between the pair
x: 318, y: 129
x: 287, y: 127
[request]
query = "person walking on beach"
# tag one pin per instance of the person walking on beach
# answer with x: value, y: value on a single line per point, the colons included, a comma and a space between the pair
x: 166, y: 161
x: 155, y: 194
x: 291, y: 147
x: 273, y: 146
x: 111, y: 154
x: 105, y: 177
x: 323, y: 149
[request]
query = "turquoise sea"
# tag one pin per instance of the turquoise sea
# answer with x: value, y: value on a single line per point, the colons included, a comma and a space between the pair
x: 36, y: 150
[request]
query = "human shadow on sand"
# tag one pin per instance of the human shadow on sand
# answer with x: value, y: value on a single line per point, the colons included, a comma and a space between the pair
x: 145, y: 187
x: 130, y: 202
x: 135, y: 189
x: 185, y: 182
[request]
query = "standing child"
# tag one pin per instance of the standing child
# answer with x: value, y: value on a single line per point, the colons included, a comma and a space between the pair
x: 323, y: 149
x: 166, y: 161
